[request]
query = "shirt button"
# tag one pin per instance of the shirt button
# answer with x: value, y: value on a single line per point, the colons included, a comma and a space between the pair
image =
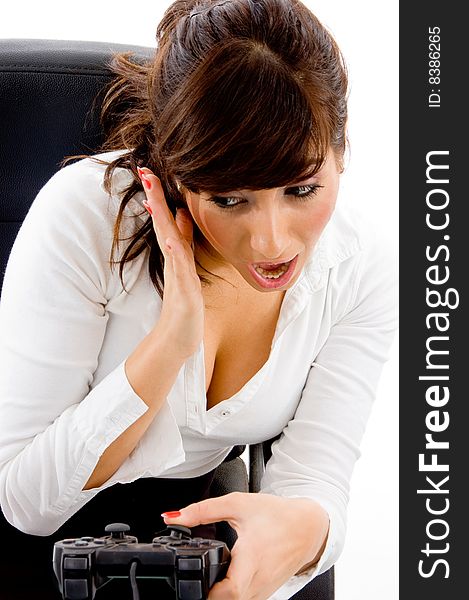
x: 225, y: 413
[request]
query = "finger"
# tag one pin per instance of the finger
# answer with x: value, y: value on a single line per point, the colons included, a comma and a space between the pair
x: 163, y: 220
x: 224, y: 508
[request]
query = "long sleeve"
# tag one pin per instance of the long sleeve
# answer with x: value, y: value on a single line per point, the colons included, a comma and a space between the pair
x: 55, y: 419
x: 317, y: 451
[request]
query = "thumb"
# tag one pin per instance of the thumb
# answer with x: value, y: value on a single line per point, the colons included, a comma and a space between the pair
x: 239, y: 576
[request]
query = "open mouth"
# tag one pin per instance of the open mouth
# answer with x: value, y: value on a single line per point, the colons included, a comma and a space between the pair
x: 274, y: 275
x: 273, y: 272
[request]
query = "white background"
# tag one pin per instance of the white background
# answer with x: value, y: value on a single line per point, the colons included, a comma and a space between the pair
x: 367, y: 33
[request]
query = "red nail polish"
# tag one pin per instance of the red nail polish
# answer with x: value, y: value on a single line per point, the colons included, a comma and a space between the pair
x: 146, y: 182
x: 172, y: 514
x: 147, y: 206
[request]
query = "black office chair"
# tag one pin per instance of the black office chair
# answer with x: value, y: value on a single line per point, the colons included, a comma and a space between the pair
x: 49, y: 107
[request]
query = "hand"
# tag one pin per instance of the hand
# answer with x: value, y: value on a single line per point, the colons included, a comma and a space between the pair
x: 277, y: 537
x: 183, y: 311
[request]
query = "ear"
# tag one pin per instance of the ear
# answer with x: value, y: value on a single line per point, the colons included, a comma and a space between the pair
x: 180, y: 199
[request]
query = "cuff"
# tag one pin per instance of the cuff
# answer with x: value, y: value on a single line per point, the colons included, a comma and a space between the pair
x: 107, y: 411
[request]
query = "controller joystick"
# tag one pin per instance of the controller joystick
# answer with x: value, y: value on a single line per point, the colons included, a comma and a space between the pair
x: 178, y: 531
x: 117, y: 530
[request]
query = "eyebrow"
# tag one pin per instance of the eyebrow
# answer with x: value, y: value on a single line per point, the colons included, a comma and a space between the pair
x: 317, y: 174
x: 292, y: 184
x: 298, y: 181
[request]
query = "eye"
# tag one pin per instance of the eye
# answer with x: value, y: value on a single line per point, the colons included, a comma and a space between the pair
x: 302, y: 193
x: 223, y: 202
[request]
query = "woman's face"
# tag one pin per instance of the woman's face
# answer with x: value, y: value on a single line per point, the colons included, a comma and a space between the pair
x: 265, y: 226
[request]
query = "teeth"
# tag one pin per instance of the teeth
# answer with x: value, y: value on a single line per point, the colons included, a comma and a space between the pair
x: 273, y: 274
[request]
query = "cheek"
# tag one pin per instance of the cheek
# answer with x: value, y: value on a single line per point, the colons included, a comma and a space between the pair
x: 214, y: 227
x: 318, y: 218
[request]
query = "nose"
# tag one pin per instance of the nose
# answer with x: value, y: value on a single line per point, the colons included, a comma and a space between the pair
x: 270, y: 238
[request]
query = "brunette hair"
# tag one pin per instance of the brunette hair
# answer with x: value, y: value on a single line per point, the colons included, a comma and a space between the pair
x: 241, y: 94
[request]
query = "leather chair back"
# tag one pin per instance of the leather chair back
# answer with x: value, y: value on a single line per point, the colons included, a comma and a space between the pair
x: 47, y: 110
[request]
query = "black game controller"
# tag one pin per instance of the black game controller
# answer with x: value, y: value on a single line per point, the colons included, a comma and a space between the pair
x: 190, y: 565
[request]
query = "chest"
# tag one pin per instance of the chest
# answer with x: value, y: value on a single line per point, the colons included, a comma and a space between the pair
x: 238, y: 335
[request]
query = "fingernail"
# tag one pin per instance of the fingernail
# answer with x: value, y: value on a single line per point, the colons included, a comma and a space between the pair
x: 171, y: 515
x: 147, y: 206
x: 146, y: 182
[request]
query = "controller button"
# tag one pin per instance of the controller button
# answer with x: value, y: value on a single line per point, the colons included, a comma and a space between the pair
x: 81, y: 543
x: 75, y: 562
x: 189, y: 564
x: 194, y: 543
x: 99, y: 542
x: 88, y: 539
x: 76, y: 589
x: 69, y: 541
x: 190, y: 590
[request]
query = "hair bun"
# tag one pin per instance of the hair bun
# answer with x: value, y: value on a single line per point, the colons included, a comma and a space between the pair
x: 174, y: 13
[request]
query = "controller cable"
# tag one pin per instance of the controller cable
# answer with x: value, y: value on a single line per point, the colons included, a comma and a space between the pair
x: 133, y: 581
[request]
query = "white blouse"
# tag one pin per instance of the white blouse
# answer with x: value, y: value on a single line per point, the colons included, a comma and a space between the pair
x: 67, y: 327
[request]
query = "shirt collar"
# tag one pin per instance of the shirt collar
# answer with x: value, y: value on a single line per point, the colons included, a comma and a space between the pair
x: 340, y: 239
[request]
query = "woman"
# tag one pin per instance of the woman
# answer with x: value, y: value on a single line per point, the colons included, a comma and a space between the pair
x: 259, y: 308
